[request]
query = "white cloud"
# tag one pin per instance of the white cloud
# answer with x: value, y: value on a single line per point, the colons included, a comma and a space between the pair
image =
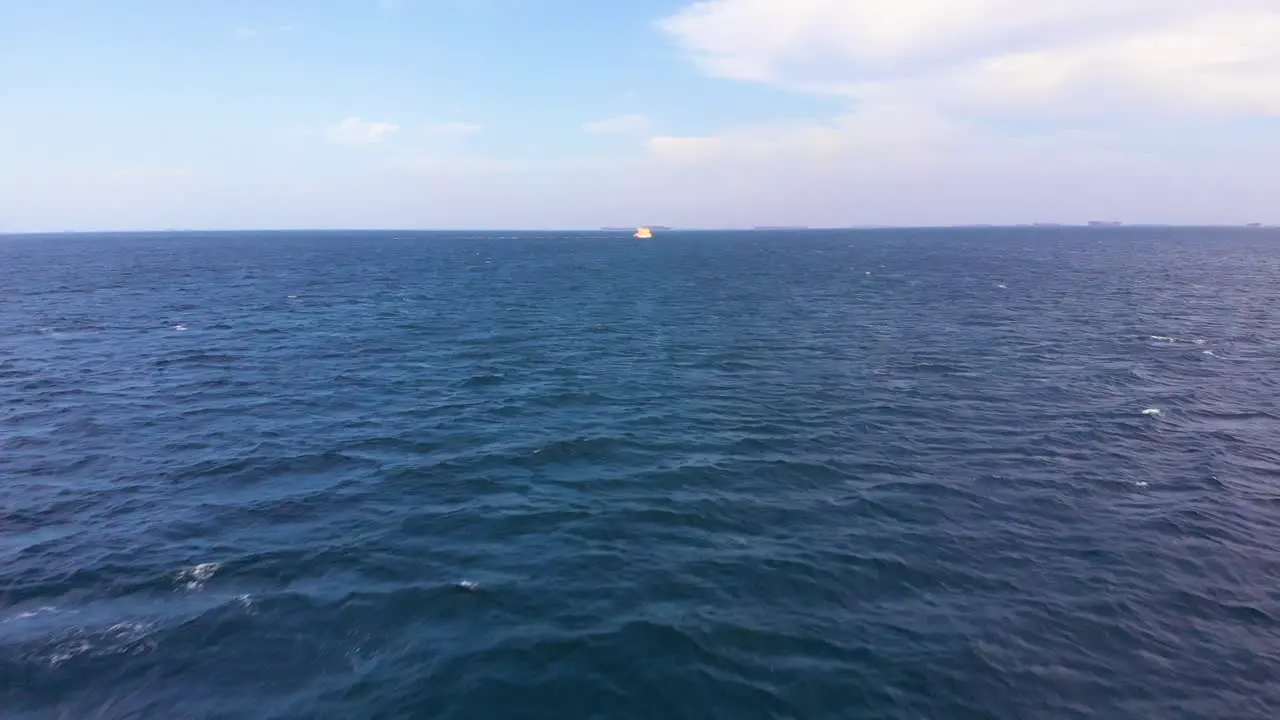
x: 354, y: 131
x: 621, y: 125
x: 957, y: 108
x: 1221, y: 63
x: 1002, y: 55
x: 878, y: 146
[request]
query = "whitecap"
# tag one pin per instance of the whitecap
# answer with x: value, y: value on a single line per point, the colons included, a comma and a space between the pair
x: 27, y: 614
x: 128, y: 630
x: 179, y: 327
x: 38, y: 611
x: 193, y: 578
x: 1152, y: 412
x: 468, y: 585
x: 66, y: 652
x: 1163, y: 338
x: 246, y: 603
x: 131, y: 638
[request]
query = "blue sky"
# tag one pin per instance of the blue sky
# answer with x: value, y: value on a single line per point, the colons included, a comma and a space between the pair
x: 576, y: 113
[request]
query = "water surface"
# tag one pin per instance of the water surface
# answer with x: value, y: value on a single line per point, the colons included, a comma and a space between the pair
x: 877, y: 474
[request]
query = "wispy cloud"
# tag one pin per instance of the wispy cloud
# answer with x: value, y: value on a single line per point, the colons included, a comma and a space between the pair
x: 621, y: 125
x: 357, y: 132
x: 454, y: 128
x: 246, y: 31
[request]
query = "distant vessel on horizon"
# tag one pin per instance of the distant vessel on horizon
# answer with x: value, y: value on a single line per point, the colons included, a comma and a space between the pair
x: 644, y: 233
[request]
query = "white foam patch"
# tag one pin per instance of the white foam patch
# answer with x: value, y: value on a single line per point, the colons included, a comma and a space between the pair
x: 179, y: 327
x: 194, y: 578
x: 1163, y: 338
x: 1152, y: 412
x: 124, y: 638
x: 69, y: 650
x: 468, y: 585
x: 28, y: 614
x: 246, y: 603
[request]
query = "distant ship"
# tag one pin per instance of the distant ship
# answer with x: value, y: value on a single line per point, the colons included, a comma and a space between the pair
x: 644, y: 233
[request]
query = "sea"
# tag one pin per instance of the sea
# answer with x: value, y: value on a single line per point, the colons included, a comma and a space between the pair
x: 968, y: 473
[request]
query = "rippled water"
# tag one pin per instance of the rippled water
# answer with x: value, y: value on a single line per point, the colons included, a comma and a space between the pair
x: 930, y: 474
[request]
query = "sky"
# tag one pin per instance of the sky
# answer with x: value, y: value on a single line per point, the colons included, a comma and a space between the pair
x: 151, y: 114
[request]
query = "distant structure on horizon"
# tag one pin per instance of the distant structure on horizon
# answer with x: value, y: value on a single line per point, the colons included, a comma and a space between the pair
x: 1104, y: 223
x: 1254, y: 225
x: 632, y: 229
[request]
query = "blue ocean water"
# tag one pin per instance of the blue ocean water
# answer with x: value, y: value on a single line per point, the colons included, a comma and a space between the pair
x: 860, y: 474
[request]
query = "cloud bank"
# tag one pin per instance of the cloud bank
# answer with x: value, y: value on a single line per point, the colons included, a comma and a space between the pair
x: 991, y: 110
x: 1001, y: 56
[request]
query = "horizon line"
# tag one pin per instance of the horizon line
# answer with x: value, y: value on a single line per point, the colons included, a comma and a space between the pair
x: 1091, y: 225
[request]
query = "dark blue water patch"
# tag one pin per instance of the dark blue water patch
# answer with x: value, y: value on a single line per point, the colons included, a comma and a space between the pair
x: 881, y: 474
